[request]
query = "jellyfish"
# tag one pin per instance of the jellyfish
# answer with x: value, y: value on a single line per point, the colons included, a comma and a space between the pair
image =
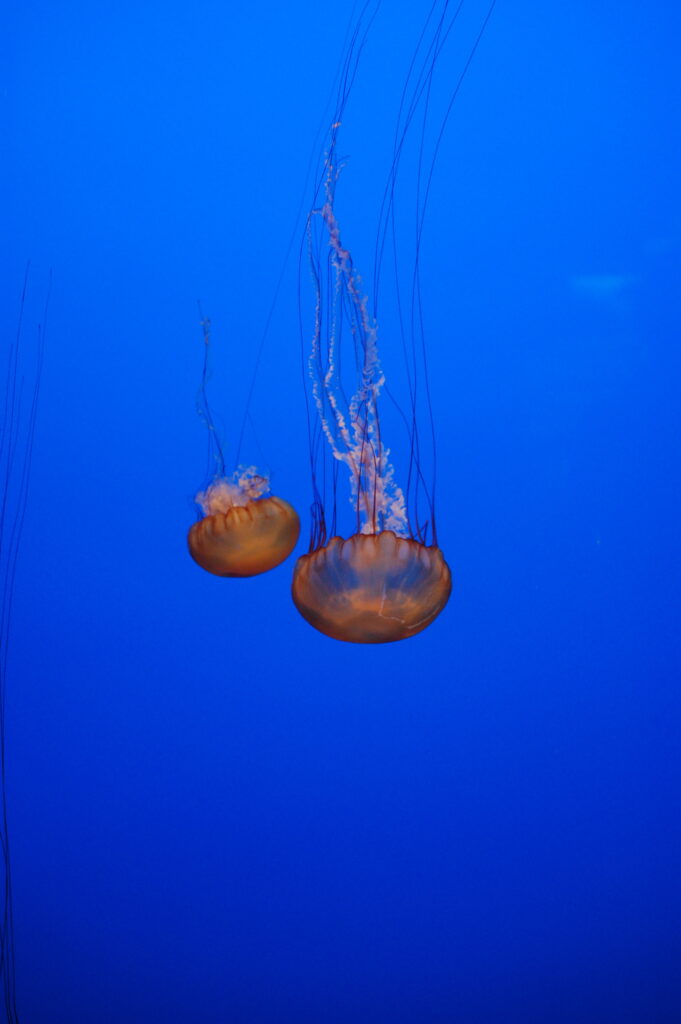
x: 383, y: 583
x: 244, y: 530
x: 388, y: 580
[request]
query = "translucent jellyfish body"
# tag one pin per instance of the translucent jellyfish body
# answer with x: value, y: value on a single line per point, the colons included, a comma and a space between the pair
x: 243, y: 532
x: 384, y: 582
x: 371, y: 588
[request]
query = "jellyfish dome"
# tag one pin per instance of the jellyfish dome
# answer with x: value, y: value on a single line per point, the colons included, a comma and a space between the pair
x: 244, y: 530
x: 371, y: 588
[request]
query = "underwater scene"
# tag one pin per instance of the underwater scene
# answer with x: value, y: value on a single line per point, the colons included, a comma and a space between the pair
x: 340, y: 534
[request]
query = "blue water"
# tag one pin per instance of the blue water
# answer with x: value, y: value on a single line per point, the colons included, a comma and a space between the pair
x: 218, y: 814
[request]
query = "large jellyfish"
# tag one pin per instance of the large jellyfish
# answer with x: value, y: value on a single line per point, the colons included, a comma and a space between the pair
x: 389, y: 579
x: 244, y: 529
x: 382, y: 583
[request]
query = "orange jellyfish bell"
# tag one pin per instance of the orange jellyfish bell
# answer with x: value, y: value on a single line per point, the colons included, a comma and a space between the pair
x: 243, y: 533
x: 372, y: 588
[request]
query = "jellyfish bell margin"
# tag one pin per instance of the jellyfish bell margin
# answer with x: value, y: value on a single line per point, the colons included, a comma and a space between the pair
x: 243, y: 533
x: 371, y: 588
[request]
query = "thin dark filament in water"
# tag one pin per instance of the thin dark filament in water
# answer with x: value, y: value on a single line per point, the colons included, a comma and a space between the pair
x: 17, y: 428
x: 416, y: 280
x: 203, y: 407
x: 314, y: 433
x: 416, y: 292
x: 387, y: 225
x: 387, y: 229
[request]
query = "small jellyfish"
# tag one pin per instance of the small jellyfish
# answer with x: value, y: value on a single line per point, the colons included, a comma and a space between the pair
x: 245, y: 530
x: 242, y: 533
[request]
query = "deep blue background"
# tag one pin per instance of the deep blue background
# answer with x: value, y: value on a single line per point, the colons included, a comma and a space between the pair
x: 217, y: 814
